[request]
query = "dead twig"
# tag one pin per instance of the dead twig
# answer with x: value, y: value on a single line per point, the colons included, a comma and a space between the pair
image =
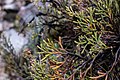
x: 90, y: 65
x: 117, y: 55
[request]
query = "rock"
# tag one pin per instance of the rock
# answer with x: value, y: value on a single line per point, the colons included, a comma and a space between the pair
x: 18, y: 41
x: 27, y: 13
x: 8, y: 1
x: 2, y: 14
x: 5, y: 25
x: 1, y: 27
x: 10, y: 6
x: 13, y: 5
x: 3, y: 75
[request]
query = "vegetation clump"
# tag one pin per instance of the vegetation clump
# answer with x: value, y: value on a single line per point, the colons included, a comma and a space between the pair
x: 77, y: 40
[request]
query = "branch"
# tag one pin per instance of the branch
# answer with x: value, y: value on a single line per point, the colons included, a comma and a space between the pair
x: 90, y: 65
x: 117, y: 56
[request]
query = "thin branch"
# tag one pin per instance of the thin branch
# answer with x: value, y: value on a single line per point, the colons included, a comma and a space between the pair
x: 117, y: 55
x: 91, y: 64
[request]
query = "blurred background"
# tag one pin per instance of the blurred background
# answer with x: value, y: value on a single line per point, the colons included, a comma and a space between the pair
x: 13, y: 14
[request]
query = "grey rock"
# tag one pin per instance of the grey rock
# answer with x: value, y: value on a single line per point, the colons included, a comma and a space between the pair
x: 18, y: 41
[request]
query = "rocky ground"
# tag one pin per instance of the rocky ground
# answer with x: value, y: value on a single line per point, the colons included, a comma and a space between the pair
x: 3, y: 75
x: 9, y: 9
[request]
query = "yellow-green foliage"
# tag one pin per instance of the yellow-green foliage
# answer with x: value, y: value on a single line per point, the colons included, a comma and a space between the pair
x: 83, y: 30
x: 79, y: 41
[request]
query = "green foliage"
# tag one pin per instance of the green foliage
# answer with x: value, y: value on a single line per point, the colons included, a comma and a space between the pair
x: 38, y: 71
x: 95, y: 42
x: 90, y: 26
x: 46, y: 67
x: 79, y: 40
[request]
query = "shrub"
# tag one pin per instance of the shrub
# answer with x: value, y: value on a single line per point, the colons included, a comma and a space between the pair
x: 77, y: 40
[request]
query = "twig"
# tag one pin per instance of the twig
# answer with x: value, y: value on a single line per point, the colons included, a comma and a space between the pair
x: 117, y: 55
x: 76, y: 55
x: 90, y: 65
x: 77, y: 69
